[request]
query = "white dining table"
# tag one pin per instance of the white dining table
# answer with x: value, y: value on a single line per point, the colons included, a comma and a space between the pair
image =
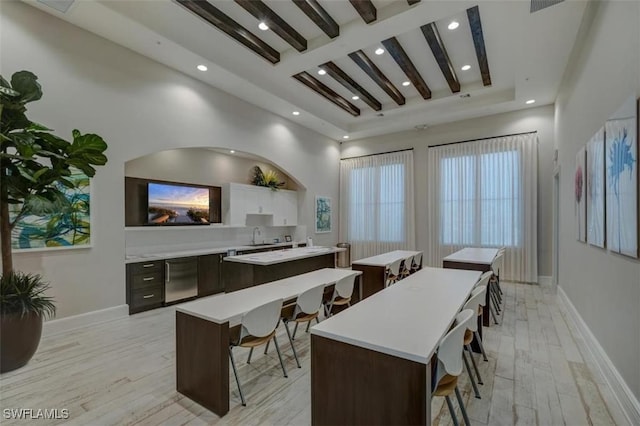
x: 374, y: 269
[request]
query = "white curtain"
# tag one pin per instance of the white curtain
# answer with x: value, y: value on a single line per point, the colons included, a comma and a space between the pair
x: 376, y: 203
x: 484, y: 194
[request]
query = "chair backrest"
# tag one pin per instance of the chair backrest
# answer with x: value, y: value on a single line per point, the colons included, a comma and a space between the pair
x: 417, y: 259
x: 261, y: 321
x: 394, y: 268
x: 344, y: 287
x: 408, y: 262
x: 310, y: 301
x: 496, y: 265
x: 484, y: 280
x: 450, y: 348
x: 477, y: 298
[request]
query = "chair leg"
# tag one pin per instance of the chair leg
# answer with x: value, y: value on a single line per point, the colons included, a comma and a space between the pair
x: 295, y: 355
x: 479, y: 340
x: 295, y: 329
x: 462, y: 409
x: 494, y: 299
x: 249, y: 357
x: 235, y: 373
x: 493, y: 314
x: 275, y: 343
x: 475, y: 367
x: 452, y: 411
x: 473, y: 381
x: 308, y: 325
x: 266, y: 348
x: 317, y: 320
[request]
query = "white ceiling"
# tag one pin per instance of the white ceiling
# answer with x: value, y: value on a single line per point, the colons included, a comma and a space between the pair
x: 527, y: 55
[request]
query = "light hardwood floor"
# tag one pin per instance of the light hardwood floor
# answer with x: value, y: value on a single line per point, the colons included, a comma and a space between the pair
x: 122, y: 372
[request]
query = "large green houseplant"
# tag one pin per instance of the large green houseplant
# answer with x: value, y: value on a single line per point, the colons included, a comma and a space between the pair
x: 33, y: 165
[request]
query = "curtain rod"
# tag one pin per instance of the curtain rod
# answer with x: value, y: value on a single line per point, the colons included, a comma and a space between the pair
x: 481, y: 139
x: 379, y: 153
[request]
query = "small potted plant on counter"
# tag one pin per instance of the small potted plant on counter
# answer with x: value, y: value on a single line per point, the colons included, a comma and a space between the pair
x: 34, y: 165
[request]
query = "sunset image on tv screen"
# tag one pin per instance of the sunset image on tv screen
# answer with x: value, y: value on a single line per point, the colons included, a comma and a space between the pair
x: 177, y: 204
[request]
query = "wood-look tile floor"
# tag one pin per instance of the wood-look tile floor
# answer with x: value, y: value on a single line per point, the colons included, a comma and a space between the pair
x: 122, y: 372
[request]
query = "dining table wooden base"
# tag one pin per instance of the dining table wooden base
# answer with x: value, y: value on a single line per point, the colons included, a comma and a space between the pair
x: 351, y: 385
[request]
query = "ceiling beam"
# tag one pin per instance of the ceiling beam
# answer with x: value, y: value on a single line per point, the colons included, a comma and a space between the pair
x: 396, y: 51
x: 341, y: 77
x: 363, y: 61
x: 319, y: 16
x: 432, y: 36
x: 325, y: 91
x: 365, y: 9
x: 217, y: 18
x: 473, y: 15
x: 264, y: 13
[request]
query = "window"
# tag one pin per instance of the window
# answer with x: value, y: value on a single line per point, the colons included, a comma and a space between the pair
x: 480, y: 199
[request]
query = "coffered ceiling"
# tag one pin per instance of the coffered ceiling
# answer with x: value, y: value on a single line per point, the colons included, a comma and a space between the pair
x: 387, y: 65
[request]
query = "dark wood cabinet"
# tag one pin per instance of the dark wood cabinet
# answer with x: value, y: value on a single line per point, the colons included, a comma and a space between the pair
x: 145, y: 285
x: 209, y: 274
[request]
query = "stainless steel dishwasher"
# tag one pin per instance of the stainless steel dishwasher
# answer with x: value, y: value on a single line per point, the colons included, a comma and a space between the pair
x: 180, y: 279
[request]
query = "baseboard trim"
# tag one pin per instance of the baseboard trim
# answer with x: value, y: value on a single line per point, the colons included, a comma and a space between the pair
x: 627, y: 400
x: 544, y: 281
x: 82, y: 320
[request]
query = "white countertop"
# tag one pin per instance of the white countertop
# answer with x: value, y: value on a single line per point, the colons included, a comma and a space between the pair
x: 230, y: 306
x: 473, y: 255
x: 407, y: 319
x: 198, y: 252
x: 286, y: 255
x: 385, y: 259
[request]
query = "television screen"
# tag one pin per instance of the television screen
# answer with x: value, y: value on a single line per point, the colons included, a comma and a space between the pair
x: 177, y: 204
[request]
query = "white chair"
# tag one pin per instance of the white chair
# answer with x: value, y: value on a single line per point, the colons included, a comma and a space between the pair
x: 474, y: 303
x: 406, y: 267
x: 342, y: 292
x: 258, y: 327
x: 393, y: 273
x: 449, y: 365
x: 307, y: 309
x: 493, y: 287
x: 417, y: 263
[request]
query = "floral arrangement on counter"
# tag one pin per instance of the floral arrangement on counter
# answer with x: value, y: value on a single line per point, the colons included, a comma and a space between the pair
x: 269, y: 178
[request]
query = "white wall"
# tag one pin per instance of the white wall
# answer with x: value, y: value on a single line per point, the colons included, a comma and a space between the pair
x: 139, y: 107
x: 604, y: 288
x: 538, y: 119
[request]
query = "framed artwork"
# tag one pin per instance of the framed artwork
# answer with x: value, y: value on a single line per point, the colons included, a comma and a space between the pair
x: 621, y: 151
x: 323, y: 214
x: 580, y: 201
x: 595, y: 190
x: 65, y: 230
x: 287, y: 238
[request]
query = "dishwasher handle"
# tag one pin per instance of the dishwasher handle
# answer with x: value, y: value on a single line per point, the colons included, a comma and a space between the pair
x: 167, y: 272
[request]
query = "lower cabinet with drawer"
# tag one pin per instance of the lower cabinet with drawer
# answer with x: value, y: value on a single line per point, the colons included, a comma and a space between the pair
x: 145, y: 285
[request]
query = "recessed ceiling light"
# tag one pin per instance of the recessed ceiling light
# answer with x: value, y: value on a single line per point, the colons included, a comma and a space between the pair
x: 232, y: 152
x: 321, y: 71
x: 406, y: 83
x: 296, y: 112
x: 453, y: 25
x: 379, y: 51
x: 530, y: 101
x: 202, y: 67
x: 466, y: 67
x: 355, y: 98
x: 263, y: 26
x: 345, y: 137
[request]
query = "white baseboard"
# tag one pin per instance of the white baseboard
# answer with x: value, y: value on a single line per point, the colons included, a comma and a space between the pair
x: 82, y: 320
x: 544, y: 281
x: 627, y: 400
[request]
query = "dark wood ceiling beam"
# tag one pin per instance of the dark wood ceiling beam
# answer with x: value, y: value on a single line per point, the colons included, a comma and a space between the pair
x: 396, y: 51
x: 363, y: 61
x: 319, y: 16
x: 326, y: 92
x: 412, y: 2
x: 473, y: 15
x: 264, y: 13
x: 224, y: 23
x: 432, y: 36
x: 343, y: 78
x: 365, y: 9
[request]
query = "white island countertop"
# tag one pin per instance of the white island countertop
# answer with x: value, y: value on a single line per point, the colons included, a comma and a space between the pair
x: 280, y: 256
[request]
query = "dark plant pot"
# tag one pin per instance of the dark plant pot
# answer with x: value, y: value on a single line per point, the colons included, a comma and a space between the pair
x: 19, y: 339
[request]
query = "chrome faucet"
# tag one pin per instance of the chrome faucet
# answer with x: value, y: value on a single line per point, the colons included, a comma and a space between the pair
x: 253, y: 239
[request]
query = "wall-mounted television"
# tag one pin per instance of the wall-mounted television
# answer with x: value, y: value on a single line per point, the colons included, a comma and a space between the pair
x: 178, y: 204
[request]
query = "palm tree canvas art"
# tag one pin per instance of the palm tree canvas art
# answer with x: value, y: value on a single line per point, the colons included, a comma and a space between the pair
x: 595, y: 190
x: 580, y: 197
x: 621, y: 153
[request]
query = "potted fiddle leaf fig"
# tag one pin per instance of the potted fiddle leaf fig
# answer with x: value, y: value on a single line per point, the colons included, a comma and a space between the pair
x: 34, y: 166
